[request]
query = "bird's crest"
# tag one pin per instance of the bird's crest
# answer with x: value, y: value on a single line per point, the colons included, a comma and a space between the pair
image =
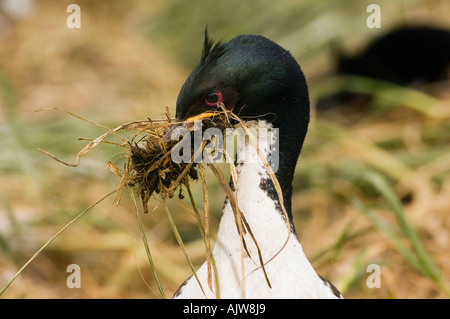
x: 211, y: 50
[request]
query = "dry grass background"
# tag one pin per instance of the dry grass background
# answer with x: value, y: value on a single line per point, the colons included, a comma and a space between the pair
x: 127, y: 63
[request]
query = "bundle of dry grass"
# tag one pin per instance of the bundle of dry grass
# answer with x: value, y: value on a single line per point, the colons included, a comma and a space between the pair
x: 150, y: 168
x: 148, y: 163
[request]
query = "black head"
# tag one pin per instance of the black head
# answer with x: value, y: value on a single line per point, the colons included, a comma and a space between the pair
x: 256, y: 79
x: 253, y: 76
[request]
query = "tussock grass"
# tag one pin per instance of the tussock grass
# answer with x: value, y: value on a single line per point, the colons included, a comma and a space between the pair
x: 384, y: 166
x: 403, y: 138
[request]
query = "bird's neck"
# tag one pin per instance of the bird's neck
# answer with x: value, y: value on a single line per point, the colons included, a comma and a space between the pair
x: 271, y: 264
x: 269, y: 239
x: 281, y: 152
x: 256, y: 195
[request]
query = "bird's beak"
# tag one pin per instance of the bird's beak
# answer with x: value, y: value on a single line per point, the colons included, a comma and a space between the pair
x: 191, y: 119
x: 201, y: 116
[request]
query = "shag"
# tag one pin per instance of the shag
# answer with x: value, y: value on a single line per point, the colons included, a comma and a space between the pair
x: 263, y: 84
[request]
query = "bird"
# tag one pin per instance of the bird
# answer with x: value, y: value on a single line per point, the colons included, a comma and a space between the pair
x: 415, y: 56
x: 263, y: 84
x: 406, y: 56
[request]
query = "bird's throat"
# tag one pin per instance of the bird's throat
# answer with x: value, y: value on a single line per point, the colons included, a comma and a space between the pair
x: 265, y: 227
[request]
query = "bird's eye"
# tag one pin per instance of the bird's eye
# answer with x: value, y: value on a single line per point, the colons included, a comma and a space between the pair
x: 213, y: 98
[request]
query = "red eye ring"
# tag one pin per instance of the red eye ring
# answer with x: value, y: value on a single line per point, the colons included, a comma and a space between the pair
x: 213, y: 98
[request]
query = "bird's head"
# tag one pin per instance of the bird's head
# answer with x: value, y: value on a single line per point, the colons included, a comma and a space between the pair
x: 256, y: 79
x: 252, y: 76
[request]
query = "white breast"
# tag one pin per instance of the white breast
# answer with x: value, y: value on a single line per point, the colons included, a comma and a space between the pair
x: 289, y: 271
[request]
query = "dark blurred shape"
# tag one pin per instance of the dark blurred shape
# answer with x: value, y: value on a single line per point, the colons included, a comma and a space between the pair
x: 408, y: 56
x: 404, y: 56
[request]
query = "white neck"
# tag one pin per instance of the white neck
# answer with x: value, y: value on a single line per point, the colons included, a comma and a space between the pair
x: 268, y: 225
x: 288, y: 270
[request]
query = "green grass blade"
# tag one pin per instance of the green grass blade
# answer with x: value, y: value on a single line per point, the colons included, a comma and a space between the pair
x: 140, y: 271
x: 181, y: 244
x: 333, y: 251
x: 202, y: 231
x: 52, y: 239
x: 383, y: 91
x: 147, y: 248
x: 424, y: 262
x: 392, y: 234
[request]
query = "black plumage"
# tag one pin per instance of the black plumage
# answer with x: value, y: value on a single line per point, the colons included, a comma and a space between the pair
x: 259, y: 80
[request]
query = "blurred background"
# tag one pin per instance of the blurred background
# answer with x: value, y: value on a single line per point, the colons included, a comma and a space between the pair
x: 373, y: 181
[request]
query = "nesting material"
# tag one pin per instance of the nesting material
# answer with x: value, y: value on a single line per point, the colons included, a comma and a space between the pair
x: 148, y: 165
x: 150, y: 168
